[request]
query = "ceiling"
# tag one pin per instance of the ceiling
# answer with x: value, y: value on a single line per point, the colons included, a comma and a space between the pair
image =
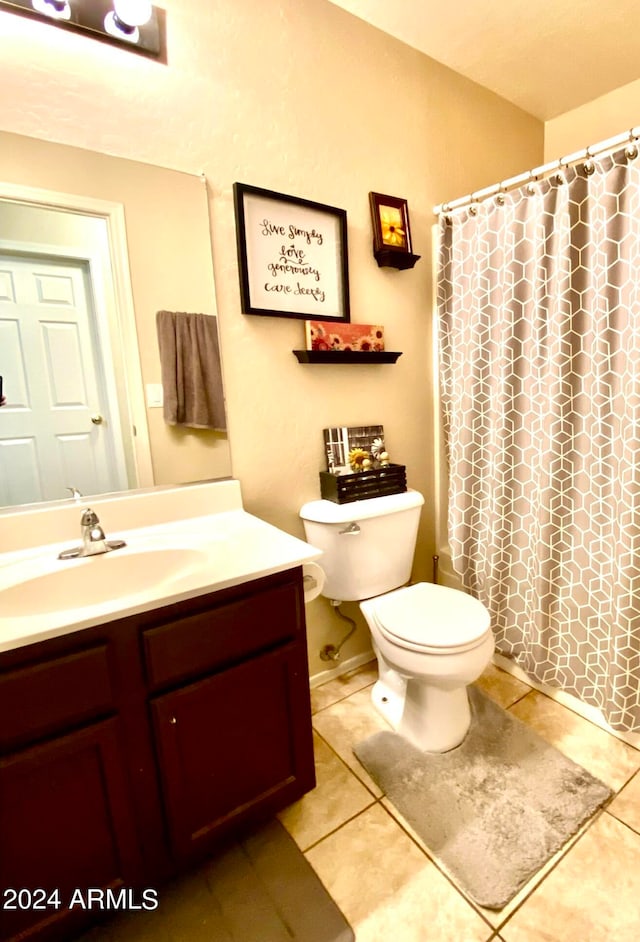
x: 547, y: 56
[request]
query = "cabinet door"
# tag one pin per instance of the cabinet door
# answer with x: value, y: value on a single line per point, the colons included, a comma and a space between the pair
x: 231, y: 744
x: 65, y: 825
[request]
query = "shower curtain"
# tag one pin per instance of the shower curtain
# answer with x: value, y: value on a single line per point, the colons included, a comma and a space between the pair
x: 539, y: 338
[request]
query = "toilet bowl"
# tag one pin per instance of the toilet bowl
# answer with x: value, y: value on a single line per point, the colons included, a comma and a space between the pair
x: 431, y: 642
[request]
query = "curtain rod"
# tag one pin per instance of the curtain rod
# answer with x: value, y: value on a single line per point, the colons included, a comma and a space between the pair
x: 538, y: 173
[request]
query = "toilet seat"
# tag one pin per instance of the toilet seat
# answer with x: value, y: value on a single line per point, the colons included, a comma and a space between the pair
x: 431, y: 618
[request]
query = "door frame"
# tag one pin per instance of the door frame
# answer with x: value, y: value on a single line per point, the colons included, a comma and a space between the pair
x: 116, y: 322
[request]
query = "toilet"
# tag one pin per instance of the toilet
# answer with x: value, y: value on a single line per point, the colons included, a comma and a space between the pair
x: 430, y: 641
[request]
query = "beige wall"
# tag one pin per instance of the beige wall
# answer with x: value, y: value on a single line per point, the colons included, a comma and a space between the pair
x: 300, y: 97
x: 596, y: 121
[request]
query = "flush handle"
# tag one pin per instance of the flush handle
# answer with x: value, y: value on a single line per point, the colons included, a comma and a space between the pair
x: 350, y: 529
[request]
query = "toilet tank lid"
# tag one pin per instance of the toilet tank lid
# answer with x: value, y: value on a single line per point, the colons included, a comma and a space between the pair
x: 326, y: 511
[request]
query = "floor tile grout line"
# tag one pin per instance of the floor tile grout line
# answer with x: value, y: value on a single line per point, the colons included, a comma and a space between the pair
x: 435, y: 863
x: 519, y: 699
x: 339, y: 827
x: 342, y: 699
x: 575, y: 712
x: 628, y: 781
x: 574, y: 841
x: 612, y: 814
x: 347, y: 766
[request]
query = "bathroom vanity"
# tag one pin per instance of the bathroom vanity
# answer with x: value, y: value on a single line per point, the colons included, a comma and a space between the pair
x: 130, y: 747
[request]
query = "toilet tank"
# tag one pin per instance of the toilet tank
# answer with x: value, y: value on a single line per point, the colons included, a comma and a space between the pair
x: 368, y: 545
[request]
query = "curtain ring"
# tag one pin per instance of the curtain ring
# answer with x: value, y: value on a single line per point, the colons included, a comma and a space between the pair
x: 473, y: 210
x: 530, y: 190
x: 558, y: 178
x: 588, y: 168
x: 500, y: 199
x: 631, y: 152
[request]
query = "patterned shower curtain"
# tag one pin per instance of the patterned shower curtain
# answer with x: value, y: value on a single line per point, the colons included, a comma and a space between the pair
x: 539, y: 333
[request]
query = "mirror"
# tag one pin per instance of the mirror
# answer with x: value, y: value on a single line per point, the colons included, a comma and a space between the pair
x: 120, y: 240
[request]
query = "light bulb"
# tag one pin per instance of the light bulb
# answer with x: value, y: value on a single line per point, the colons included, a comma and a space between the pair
x: 133, y: 12
x: 56, y: 9
x: 125, y: 18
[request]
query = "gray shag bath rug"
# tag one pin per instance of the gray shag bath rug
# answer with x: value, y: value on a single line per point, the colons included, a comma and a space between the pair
x: 493, y: 810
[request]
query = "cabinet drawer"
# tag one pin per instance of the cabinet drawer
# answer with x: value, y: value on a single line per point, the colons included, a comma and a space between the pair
x: 48, y: 696
x: 222, y: 634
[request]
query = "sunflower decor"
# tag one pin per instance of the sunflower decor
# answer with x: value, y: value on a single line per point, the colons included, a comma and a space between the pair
x: 391, y: 233
x: 357, y: 457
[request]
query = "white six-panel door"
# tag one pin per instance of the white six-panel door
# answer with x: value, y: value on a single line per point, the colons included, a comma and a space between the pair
x: 55, y: 430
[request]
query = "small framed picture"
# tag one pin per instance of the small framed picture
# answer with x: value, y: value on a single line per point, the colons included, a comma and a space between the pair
x: 292, y: 255
x: 346, y: 448
x: 325, y: 335
x: 390, y: 218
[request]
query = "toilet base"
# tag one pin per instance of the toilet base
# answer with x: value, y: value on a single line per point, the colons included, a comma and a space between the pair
x: 389, y: 702
x: 435, y: 719
x: 430, y: 718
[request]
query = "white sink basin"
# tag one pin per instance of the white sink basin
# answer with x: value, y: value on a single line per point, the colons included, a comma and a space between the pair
x: 172, y: 554
x: 83, y: 583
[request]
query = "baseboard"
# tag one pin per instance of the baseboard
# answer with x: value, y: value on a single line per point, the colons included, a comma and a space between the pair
x: 315, y: 680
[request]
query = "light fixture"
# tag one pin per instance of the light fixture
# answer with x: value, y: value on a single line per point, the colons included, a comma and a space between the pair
x: 136, y: 25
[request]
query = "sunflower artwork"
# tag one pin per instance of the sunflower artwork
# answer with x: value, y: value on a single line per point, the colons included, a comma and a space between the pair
x: 392, y: 226
x: 326, y: 335
x: 390, y: 217
x: 391, y: 233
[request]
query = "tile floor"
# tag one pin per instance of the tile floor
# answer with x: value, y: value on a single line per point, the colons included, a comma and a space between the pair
x: 388, y: 887
x: 381, y: 875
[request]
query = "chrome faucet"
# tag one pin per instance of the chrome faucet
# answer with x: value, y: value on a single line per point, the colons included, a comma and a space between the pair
x: 94, y: 541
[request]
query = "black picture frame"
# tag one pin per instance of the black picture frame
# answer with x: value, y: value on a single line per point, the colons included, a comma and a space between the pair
x: 292, y: 256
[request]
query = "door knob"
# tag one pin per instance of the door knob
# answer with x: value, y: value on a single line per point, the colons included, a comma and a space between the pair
x: 97, y: 419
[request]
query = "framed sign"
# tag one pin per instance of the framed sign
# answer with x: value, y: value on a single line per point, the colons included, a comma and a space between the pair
x: 292, y: 256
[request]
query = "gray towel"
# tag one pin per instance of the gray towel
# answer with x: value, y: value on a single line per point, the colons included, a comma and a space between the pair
x: 191, y: 370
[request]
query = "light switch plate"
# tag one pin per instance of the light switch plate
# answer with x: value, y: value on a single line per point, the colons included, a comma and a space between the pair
x: 155, y: 395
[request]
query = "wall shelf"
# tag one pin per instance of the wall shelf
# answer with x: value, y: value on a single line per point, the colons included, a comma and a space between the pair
x: 391, y: 258
x: 345, y: 356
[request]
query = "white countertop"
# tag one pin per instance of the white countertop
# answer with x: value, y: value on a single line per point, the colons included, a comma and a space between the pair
x: 161, y: 564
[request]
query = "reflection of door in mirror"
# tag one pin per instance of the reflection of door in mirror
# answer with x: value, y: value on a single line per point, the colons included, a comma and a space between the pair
x: 56, y: 430
x: 161, y: 260
x: 66, y: 422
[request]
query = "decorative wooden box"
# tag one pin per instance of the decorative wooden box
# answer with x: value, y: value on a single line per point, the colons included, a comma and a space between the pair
x: 375, y: 482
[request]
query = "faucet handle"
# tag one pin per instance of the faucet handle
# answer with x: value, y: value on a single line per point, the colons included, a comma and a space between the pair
x: 89, y: 518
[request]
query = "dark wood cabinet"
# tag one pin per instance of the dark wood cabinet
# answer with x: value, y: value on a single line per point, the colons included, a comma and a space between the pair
x: 253, y: 756
x: 127, y: 751
x: 66, y: 822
